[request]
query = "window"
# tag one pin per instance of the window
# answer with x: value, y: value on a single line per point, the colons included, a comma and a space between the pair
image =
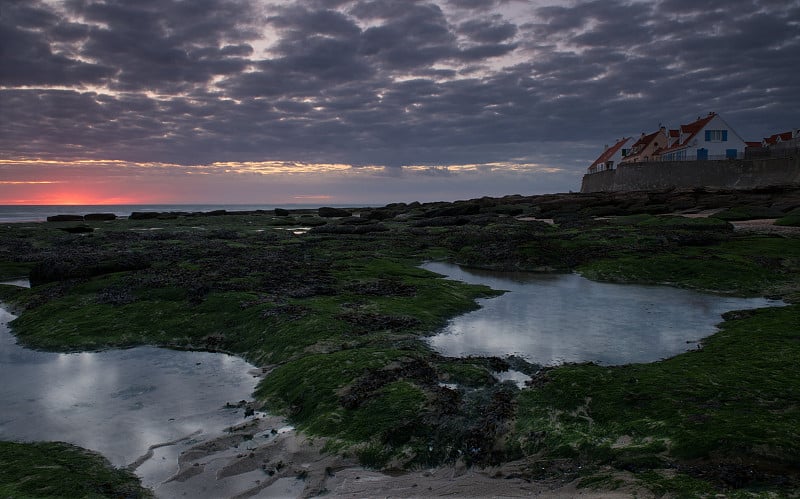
x: 716, y: 135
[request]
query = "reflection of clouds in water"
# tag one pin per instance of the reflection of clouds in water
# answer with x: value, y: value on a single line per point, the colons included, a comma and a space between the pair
x: 117, y: 402
x: 554, y: 318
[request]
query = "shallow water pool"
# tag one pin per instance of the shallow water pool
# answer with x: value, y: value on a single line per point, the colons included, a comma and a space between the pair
x: 550, y: 319
x: 121, y: 402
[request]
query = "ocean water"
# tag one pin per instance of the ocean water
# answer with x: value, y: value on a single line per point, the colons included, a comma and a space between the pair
x: 39, y: 213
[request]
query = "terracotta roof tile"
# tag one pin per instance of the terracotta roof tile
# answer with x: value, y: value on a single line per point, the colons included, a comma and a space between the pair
x: 609, y: 153
x: 773, y: 139
x: 691, y: 129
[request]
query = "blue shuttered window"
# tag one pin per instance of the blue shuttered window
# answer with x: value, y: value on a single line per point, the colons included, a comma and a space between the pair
x: 716, y: 135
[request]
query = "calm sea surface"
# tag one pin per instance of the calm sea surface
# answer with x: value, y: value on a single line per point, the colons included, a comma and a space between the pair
x: 39, y: 213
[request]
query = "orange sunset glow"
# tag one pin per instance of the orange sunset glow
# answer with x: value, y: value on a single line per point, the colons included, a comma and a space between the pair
x: 116, y: 182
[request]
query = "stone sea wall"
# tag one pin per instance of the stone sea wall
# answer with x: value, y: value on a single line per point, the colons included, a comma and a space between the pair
x: 723, y: 174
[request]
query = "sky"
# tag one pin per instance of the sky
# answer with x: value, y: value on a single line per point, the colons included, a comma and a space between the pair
x: 367, y: 101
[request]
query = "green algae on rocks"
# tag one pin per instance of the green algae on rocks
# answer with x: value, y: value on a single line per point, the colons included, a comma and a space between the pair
x: 337, y: 316
x: 57, y: 469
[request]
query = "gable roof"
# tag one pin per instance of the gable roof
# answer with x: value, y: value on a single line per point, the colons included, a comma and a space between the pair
x: 690, y: 130
x: 778, y: 137
x: 645, y: 140
x: 609, y: 153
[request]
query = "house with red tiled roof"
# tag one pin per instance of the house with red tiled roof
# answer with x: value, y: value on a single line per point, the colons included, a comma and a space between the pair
x: 611, y: 156
x: 709, y: 137
x: 777, y: 138
x: 644, y: 149
x: 674, y: 137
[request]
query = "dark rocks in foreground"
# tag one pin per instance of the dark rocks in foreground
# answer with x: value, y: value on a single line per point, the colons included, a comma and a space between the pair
x: 775, y: 201
x: 328, y: 212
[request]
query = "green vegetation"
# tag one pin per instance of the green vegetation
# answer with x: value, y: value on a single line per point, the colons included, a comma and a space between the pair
x: 706, y: 412
x: 56, y: 469
x: 748, y: 213
x: 792, y: 219
x: 338, y: 315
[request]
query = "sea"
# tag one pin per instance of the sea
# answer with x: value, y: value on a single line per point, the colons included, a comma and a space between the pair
x: 39, y: 213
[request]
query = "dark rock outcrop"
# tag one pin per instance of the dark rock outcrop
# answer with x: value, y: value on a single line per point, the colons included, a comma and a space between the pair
x: 349, y: 229
x: 144, y: 215
x: 65, y: 218
x: 328, y: 212
x: 99, y: 217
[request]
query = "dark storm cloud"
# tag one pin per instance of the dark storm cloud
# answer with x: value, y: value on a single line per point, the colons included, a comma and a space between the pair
x: 166, y: 46
x: 387, y: 82
x: 27, y: 32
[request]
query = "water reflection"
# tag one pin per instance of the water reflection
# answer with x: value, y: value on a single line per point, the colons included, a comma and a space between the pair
x: 118, y: 402
x: 555, y: 318
x: 23, y: 283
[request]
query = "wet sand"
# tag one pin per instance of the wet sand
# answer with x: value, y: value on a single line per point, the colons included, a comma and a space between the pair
x: 266, y: 458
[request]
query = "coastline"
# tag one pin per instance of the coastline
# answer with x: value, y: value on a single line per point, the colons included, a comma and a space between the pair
x: 294, y: 463
x: 347, y: 294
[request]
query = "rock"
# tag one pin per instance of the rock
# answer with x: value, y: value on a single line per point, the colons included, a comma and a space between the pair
x: 65, y: 218
x: 328, y: 212
x: 144, y: 215
x: 99, y: 217
x: 378, y: 215
x: 454, y: 210
x: 355, y: 221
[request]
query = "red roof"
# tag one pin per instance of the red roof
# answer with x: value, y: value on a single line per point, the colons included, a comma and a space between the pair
x: 645, y: 139
x: 609, y: 153
x: 691, y: 130
x: 773, y: 139
x: 751, y: 143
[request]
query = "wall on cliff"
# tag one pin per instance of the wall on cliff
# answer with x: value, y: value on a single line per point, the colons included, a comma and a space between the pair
x: 724, y: 174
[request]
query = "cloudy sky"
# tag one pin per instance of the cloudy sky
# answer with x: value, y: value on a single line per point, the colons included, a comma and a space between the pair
x: 367, y: 101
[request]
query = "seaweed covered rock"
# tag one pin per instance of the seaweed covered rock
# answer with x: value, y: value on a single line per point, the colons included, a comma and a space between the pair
x: 349, y: 229
x: 454, y: 210
x: 328, y: 212
x: 74, y: 265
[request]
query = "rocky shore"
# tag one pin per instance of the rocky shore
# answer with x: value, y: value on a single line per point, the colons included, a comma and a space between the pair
x: 335, y: 310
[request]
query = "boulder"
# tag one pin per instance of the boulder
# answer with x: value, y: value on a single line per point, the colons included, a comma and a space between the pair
x: 454, y: 210
x: 99, y: 217
x: 328, y: 212
x: 144, y: 215
x: 65, y: 218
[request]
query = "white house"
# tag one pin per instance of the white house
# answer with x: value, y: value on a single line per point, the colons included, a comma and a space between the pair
x: 611, y: 156
x: 709, y: 137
